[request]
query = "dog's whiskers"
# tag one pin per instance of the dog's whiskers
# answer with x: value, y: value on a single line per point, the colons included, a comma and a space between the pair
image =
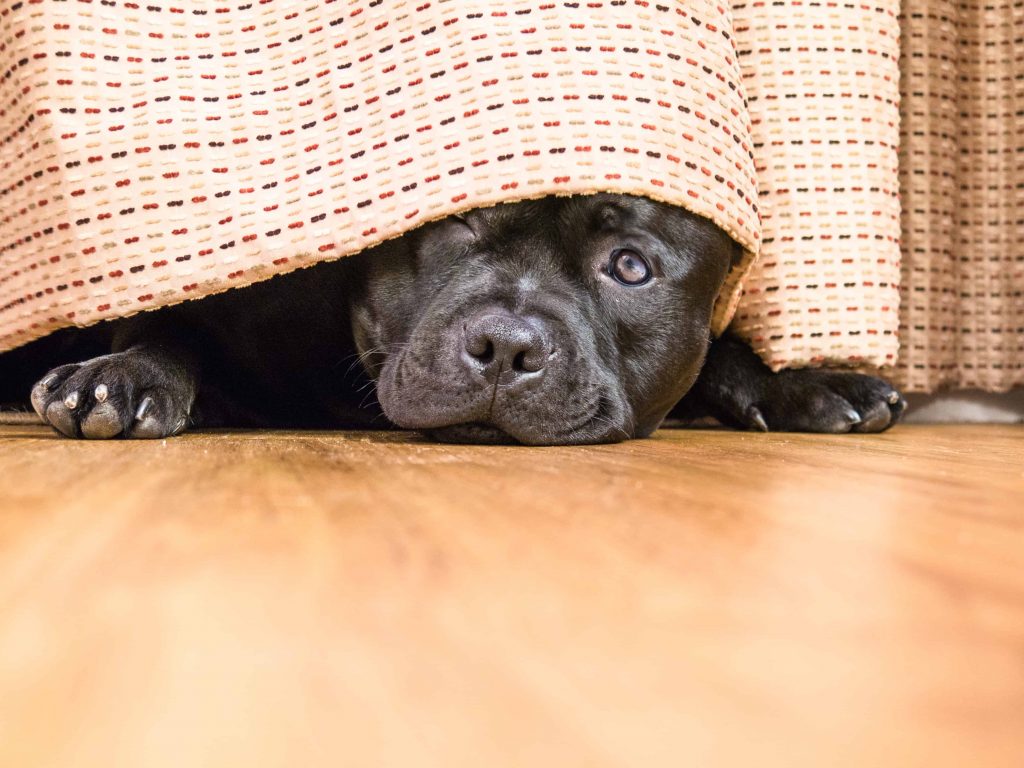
x: 361, y: 357
x: 365, y: 402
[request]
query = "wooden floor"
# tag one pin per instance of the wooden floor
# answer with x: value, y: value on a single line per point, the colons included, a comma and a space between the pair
x: 697, y: 599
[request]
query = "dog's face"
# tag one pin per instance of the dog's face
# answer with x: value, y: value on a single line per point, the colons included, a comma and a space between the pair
x: 559, y: 321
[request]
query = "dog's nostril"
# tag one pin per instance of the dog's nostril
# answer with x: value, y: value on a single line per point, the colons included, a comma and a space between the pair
x: 488, y: 354
x: 479, y: 347
x: 519, y: 362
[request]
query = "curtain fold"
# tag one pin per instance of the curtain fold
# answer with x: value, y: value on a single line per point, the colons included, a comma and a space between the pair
x: 823, y: 93
x: 962, y: 188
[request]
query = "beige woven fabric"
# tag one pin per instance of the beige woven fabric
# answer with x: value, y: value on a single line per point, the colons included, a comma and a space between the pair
x: 962, y: 180
x: 821, y: 80
x: 158, y: 152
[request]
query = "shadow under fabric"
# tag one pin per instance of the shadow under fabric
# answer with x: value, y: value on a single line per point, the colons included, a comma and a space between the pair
x: 154, y: 155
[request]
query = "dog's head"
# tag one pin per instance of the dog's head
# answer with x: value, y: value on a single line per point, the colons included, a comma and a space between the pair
x: 557, y: 321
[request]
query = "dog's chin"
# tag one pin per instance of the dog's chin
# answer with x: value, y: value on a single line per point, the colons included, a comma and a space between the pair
x: 473, y: 433
x: 476, y: 433
x: 486, y: 433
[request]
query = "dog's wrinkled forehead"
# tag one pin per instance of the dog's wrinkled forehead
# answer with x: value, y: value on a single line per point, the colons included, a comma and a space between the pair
x: 609, y: 212
x: 497, y: 227
x: 554, y: 215
x: 566, y: 222
x: 622, y: 213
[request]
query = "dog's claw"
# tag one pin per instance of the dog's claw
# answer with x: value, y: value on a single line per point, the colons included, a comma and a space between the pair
x: 756, y: 418
x: 71, y: 401
x: 853, y: 417
x: 47, y: 383
x: 100, y: 393
x: 893, y: 398
x: 143, y: 408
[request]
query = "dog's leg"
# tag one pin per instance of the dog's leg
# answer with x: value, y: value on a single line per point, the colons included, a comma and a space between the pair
x: 739, y: 390
x: 144, y: 389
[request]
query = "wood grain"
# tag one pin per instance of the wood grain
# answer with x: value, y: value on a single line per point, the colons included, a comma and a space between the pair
x: 702, y: 598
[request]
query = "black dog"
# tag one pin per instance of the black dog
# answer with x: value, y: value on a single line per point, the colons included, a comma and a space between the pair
x: 558, y: 321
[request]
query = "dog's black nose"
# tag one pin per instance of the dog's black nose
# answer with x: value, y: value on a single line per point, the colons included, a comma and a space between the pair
x: 500, y: 343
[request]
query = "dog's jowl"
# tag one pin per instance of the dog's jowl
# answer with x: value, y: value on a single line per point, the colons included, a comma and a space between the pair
x: 557, y: 321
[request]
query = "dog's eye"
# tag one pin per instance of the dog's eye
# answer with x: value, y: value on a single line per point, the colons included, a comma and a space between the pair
x: 629, y: 267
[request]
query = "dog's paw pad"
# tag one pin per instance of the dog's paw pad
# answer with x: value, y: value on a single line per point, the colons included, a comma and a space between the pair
x: 879, y: 405
x: 156, y: 417
x: 102, y: 423
x: 875, y: 418
x: 61, y: 418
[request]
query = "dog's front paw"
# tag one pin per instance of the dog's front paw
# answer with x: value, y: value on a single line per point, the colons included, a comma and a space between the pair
x: 738, y: 389
x: 817, y: 401
x: 128, y: 394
